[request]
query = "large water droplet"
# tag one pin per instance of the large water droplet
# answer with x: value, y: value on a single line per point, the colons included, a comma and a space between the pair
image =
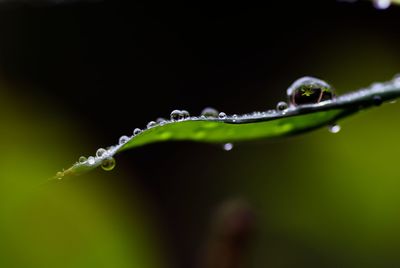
x: 100, y: 152
x: 136, y: 131
x: 309, y: 90
x: 123, y: 139
x: 176, y: 115
x: 82, y: 159
x: 91, y: 160
x: 335, y: 128
x: 151, y: 124
x: 108, y: 164
x: 234, y: 117
x: 228, y: 146
x: 281, y: 106
x: 209, y: 112
x: 222, y: 115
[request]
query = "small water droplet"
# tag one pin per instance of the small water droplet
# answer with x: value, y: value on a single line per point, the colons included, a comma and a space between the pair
x: 82, y: 159
x: 209, y: 112
x: 281, y: 106
x: 228, y: 146
x: 136, y: 131
x: 234, y: 117
x: 176, y: 115
x: 151, y: 124
x: 309, y: 90
x: 91, y: 160
x: 335, y: 128
x: 222, y: 115
x: 185, y: 114
x: 123, y: 139
x: 161, y: 121
x: 100, y: 152
x: 377, y: 100
x: 108, y: 164
x: 382, y: 4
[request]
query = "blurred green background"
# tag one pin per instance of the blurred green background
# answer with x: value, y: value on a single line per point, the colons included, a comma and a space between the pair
x: 77, y: 75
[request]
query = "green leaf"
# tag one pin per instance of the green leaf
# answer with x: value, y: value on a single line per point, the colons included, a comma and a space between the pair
x: 258, y: 125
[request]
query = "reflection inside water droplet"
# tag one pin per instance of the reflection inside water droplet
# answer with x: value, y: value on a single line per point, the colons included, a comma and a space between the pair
x: 228, y: 146
x: 108, y: 164
x: 335, y: 128
x: 309, y: 90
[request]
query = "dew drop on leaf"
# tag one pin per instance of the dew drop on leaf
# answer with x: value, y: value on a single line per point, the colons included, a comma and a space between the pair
x: 335, y: 128
x: 309, y: 90
x: 281, y: 106
x: 228, y: 146
x: 100, y: 152
x: 176, y: 115
x: 136, y: 131
x: 222, y: 115
x: 123, y: 139
x: 151, y: 124
x: 59, y: 175
x: 209, y: 112
x: 91, y: 160
x: 108, y: 164
x: 82, y: 159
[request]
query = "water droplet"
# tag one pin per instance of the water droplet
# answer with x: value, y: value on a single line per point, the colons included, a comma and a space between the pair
x: 108, y: 164
x: 281, y: 106
x: 382, y: 4
x: 228, y: 146
x: 222, y: 115
x: 151, y: 124
x: 161, y: 121
x: 136, y: 131
x: 82, y: 159
x: 100, y: 152
x: 123, y: 139
x: 309, y: 90
x: 209, y: 112
x: 234, y: 117
x: 335, y: 128
x: 176, y: 115
x: 377, y: 100
x: 185, y: 114
x: 91, y: 160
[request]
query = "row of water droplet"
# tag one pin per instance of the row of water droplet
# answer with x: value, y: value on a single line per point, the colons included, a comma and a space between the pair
x: 105, y: 156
